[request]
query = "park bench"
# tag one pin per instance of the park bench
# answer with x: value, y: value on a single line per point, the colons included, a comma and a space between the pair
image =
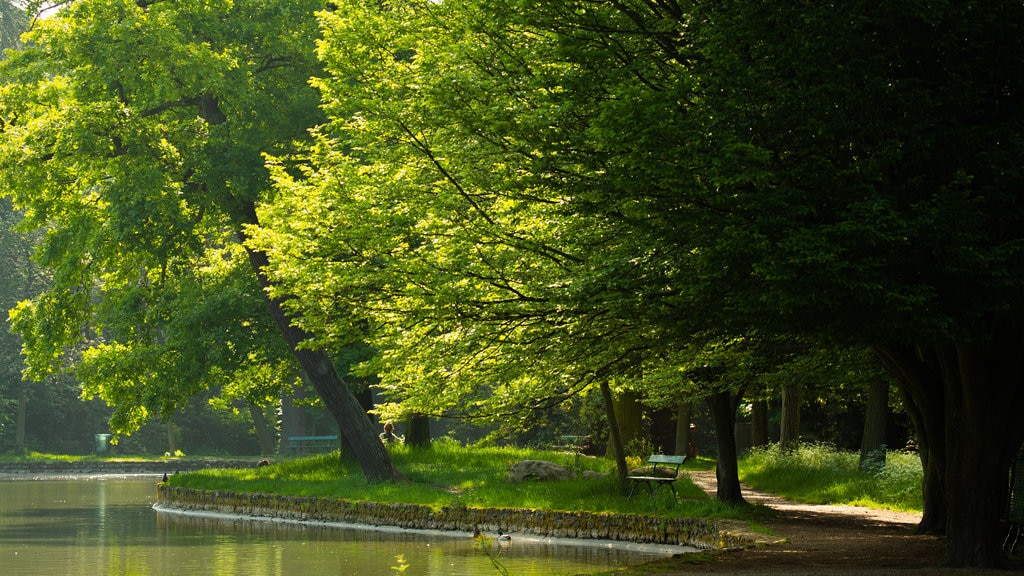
x: 311, y: 444
x: 571, y: 443
x: 654, y: 481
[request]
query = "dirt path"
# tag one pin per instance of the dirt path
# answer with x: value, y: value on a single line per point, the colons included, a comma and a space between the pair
x: 827, y: 540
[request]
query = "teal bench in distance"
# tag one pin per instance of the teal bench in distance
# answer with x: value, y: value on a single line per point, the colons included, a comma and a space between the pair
x: 655, y: 481
x: 311, y: 444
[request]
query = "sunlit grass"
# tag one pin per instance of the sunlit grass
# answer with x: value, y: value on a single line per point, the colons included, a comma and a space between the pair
x: 449, y: 474
x: 31, y: 456
x: 820, y: 474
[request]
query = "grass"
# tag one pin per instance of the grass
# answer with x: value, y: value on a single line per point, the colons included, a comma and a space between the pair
x: 820, y: 474
x: 448, y: 474
x: 32, y: 456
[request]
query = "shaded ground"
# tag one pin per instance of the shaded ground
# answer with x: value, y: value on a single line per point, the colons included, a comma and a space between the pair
x: 826, y: 540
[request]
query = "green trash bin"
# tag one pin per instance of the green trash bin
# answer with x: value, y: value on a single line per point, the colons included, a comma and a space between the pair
x: 102, y: 444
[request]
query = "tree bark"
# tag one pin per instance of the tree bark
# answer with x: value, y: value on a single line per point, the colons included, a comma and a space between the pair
x: 293, y: 419
x: 629, y: 415
x: 684, y: 437
x: 872, y: 443
x: 983, y: 401
x: 171, y: 447
x: 978, y: 400
x: 19, y: 435
x: 356, y: 428
x: 723, y: 414
x: 923, y: 393
x: 789, y: 437
x: 614, y: 437
x: 759, y: 424
x: 417, y: 431
x: 263, y: 435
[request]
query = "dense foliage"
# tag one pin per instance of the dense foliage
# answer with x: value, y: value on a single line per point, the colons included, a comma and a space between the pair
x: 513, y: 201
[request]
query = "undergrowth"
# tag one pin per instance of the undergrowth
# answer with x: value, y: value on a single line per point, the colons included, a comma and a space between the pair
x: 821, y: 474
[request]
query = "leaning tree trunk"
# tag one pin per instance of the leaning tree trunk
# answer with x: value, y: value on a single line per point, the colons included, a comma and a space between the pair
x: 923, y: 393
x: 355, y: 426
x: 979, y: 401
x: 876, y: 411
x: 723, y: 415
x: 614, y: 437
x: 629, y: 416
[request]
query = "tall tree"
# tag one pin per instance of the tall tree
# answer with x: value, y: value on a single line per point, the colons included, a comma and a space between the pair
x: 464, y: 267
x: 13, y: 22
x: 887, y: 211
x: 134, y: 134
x: 544, y: 194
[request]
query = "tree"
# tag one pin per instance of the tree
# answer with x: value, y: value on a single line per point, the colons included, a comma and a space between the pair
x: 473, y: 198
x: 885, y: 211
x: 527, y: 199
x: 20, y: 280
x: 410, y: 229
x: 13, y: 21
x: 134, y: 134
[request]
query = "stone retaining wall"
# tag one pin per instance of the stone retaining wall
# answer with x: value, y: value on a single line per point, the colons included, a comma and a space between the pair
x: 697, y: 532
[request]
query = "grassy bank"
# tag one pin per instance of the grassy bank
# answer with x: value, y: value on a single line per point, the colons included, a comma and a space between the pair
x: 819, y: 474
x: 449, y: 474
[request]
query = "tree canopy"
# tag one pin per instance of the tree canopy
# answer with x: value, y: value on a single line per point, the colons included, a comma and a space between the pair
x: 134, y: 136
x: 523, y: 198
x: 511, y: 201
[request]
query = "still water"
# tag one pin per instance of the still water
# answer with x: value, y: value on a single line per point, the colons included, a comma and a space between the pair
x: 107, y: 525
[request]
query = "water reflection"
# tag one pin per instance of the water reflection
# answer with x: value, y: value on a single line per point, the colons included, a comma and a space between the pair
x: 107, y: 526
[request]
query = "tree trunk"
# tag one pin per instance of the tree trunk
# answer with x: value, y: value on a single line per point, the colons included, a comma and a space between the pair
x: 19, y: 435
x: 789, y: 438
x: 293, y: 418
x: 262, y: 428
x: 171, y: 447
x: 923, y: 393
x: 723, y: 414
x: 417, y: 431
x: 983, y: 422
x: 684, y: 437
x: 979, y: 404
x: 872, y: 443
x: 629, y: 415
x: 759, y: 424
x: 614, y: 438
x: 355, y: 426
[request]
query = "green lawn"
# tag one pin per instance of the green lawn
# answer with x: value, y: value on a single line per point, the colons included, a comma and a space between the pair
x: 819, y: 474
x: 449, y: 474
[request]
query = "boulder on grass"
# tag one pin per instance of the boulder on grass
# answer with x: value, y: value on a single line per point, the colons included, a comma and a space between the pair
x: 537, y: 470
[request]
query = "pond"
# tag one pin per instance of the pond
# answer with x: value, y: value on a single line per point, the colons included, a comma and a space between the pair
x: 107, y: 525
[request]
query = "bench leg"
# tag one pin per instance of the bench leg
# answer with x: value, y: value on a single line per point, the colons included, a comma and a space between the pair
x: 646, y: 483
x: 1015, y: 534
